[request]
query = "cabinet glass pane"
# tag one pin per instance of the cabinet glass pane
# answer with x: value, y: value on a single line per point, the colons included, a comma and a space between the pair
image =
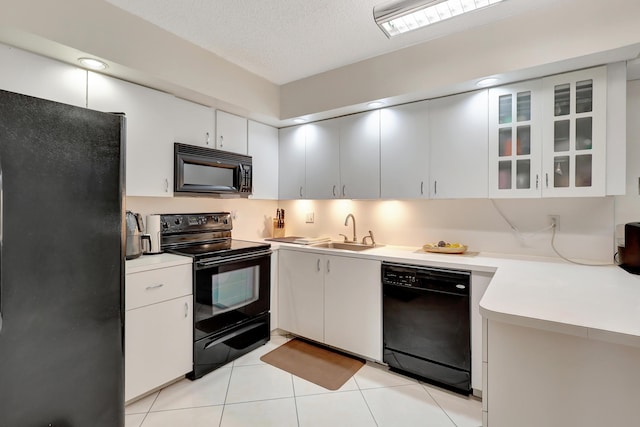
x: 561, y: 171
x: 583, y: 133
x: 583, y: 170
x: 562, y: 99
x: 504, y: 174
x: 504, y: 109
x: 561, y: 136
x: 504, y: 141
x: 584, y: 96
x: 524, y: 107
x: 523, y: 141
x: 523, y: 173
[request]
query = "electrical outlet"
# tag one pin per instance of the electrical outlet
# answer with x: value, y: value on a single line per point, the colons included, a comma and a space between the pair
x: 309, y: 218
x: 554, y: 219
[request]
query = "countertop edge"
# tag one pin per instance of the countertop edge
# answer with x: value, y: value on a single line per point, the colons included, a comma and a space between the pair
x: 508, y: 270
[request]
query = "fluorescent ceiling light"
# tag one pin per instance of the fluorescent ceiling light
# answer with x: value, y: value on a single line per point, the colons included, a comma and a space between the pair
x: 408, y: 15
x: 94, y: 64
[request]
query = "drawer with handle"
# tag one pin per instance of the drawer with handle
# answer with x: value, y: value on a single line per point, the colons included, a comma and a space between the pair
x: 153, y: 286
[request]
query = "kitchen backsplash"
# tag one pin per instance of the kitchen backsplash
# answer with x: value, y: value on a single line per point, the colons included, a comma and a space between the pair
x: 252, y: 217
x: 586, y: 225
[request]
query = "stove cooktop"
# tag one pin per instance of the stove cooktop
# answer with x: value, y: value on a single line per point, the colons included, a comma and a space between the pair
x: 222, y: 248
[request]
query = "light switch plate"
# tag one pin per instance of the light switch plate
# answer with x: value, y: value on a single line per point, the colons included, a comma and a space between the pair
x: 309, y: 218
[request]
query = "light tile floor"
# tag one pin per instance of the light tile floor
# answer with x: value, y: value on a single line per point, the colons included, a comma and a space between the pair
x: 248, y: 392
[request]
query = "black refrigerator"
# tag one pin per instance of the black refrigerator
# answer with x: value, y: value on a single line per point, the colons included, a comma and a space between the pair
x: 61, y: 265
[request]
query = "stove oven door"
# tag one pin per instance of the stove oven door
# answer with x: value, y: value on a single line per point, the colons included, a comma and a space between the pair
x: 230, y: 291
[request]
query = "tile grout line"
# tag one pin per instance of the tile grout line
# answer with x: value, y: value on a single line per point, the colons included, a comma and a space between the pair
x: 365, y: 400
x: 295, y: 400
x: 149, y: 410
x: 437, y: 403
x: 226, y: 394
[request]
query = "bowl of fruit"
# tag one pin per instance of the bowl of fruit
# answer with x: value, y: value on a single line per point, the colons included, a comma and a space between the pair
x: 443, y: 247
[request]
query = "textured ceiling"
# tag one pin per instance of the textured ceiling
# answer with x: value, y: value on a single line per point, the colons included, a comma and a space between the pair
x: 286, y: 40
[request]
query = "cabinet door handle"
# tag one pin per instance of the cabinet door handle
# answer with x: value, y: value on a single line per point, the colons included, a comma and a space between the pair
x: 166, y: 185
x: 546, y: 178
x: 318, y: 266
x: 333, y: 191
x: 422, y: 188
x: 186, y: 310
x: 344, y: 191
x: 208, y: 138
x: 221, y: 141
x: 537, y: 179
x: 435, y: 187
x: 328, y: 266
x: 158, y: 286
x: 301, y: 191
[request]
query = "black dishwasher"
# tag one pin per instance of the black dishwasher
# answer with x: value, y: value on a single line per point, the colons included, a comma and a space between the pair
x: 426, y: 323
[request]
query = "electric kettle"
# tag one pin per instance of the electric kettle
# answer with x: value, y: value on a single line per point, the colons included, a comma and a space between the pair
x: 135, y: 228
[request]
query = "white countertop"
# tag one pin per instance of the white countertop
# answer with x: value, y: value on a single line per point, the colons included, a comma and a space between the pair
x: 601, y: 303
x: 152, y: 262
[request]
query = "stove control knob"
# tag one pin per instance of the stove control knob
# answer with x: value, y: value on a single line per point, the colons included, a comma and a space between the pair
x: 215, y: 219
x: 178, y: 221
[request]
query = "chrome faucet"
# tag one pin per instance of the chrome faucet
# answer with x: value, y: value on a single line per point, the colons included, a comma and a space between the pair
x: 346, y: 223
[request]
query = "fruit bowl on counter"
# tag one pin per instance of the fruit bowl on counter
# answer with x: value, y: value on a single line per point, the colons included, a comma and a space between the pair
x: 443, y: 247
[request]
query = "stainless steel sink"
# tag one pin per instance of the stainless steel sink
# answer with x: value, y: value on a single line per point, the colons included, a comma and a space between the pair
x: 346, y: 246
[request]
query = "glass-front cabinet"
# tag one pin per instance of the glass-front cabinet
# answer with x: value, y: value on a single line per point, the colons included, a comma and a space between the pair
x: 515, y: 121
x: 574, y: 133
x: 548, y: 137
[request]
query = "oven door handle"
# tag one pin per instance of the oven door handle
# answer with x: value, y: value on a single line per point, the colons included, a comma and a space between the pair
x: 212, y: 262
x: 233, y: 335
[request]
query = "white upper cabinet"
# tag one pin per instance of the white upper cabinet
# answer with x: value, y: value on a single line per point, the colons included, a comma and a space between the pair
x: 559, y: 136
x: 34, y: 75
x: 574, y: 133
x: 231, y: 132
x: 459, y: 146
x: 323, y: 160
x: 149, y: 140
x: 291, y: 163
x: 263, y: 148
x: 193, y: 123
x: 360, y: 156
x: 515, y: 140
x: 404, y: 151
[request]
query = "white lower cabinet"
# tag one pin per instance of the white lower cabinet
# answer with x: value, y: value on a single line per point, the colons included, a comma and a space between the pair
x: 335, y: 300
x: 352, y: 306
x: 158, y: 328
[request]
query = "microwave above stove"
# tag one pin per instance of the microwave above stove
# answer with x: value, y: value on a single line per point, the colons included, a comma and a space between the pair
x: 200, y: 171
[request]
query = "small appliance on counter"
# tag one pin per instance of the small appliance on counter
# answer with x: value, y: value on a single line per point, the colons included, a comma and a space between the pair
x: 152, y: 236
x: 135, y: 228
x: 629, y: 253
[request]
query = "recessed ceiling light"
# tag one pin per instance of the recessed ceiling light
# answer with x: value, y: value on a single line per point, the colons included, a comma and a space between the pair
x: 407, y: 15
x: 487, y: 82
x: 375, y: 104
x: 299, y: 120
x: 94, y: 64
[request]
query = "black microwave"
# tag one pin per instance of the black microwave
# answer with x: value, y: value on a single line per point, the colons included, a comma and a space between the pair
x: 200, y: 171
